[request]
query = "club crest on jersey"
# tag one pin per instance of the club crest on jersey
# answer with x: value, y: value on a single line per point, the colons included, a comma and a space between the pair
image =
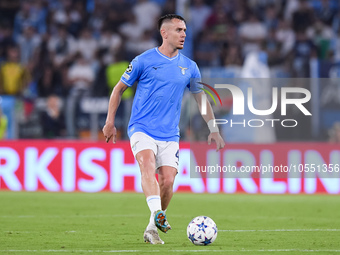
x: 129, y: 69
x: 183, y: 69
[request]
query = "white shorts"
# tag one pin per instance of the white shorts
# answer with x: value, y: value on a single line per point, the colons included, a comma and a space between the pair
x: 166, y: 153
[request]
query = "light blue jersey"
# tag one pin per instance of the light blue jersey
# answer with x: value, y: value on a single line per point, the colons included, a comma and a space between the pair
x: 161, y: 83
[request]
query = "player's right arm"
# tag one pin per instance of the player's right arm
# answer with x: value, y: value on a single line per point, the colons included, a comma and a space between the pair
x: 109, y: 130
x: 131, y: 74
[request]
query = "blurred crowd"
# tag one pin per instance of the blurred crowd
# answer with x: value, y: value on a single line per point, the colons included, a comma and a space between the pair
x: 65, y: 50
x: 291, y: 32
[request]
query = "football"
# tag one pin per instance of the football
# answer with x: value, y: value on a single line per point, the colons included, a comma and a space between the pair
x: 202, y: 230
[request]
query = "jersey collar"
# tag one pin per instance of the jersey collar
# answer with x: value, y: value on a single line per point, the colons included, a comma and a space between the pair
x: 162, y: 55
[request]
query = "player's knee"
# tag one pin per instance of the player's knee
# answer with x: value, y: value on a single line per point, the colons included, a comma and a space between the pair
x: 148, y: 165
x: 146, y: 162
x: 148, y: 174
x: 147, y: 168
x: 168, y: 183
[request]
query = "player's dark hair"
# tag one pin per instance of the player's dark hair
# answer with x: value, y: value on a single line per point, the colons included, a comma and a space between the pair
x: 168, y: 17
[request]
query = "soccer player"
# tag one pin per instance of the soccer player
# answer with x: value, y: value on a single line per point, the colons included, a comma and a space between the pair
x: 162, y: 74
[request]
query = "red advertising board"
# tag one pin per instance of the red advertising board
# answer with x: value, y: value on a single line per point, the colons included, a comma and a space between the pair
x: 67, y: 166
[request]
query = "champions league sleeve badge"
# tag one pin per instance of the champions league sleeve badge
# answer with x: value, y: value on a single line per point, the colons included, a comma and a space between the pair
x: 129, y: 69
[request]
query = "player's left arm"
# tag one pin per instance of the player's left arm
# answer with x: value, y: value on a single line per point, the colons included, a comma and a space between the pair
x: 209, y: 119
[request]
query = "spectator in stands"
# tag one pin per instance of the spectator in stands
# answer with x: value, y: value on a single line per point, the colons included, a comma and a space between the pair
x: 61, y: 14
x: 303, y: 50
x: 231, y: 36
x: 168, y: 7
x: 303, y: 17
x: 6, y: 39
x: 147, y: 13
x: 336, y: 21
x: 22, y: 18
x: 114, y: 18
x: 8, y: 10
x: 326, y: 12
x: 122, y: 9
x: 239, y: 11
x: 52, y: 119
x: 337, y: 47
x: 110, y: 42
x: 260, y: 6
x: 3, y: 125
x: 113, y: 74
x: 321, y: 35
x: 30, y: 15
x: 80, y: 76
x: 97, y: 19
x: 28, y: 42
x: 50, y: 82
x: 218, y: 17
x: 146, y: 42
x: 286, y: 37
x: 132, y: 34
x: 61, y: 46
x: 271, y: 20
x: 290, y: 7
x: 72, y: 15
x: 100, y: 86
x: 253, y: 33
x: 206, y: 54
x: 42, y: 57
x: 13, y: 76
x: 86, y: 44
x: 77, y: 17
x: 273, y: 48
x: 219, y: 24
x: 199, y: 13
x: 233, y: 56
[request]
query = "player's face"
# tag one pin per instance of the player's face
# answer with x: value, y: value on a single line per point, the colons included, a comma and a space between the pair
x: 177, y: 33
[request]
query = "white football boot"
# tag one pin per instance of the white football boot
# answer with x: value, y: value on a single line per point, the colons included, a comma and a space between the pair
x: 151, y: 236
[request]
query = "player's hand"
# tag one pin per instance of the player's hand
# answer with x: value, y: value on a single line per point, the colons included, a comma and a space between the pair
x: 218, y: 139
x: 110, y: 131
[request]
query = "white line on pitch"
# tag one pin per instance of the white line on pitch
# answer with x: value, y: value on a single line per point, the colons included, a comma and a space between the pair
x: 278, y: 230
x: 175, y: 251
x: 71, y: 216
x: 82, y: 216
x: 37, y: 231
x: 220, y: 230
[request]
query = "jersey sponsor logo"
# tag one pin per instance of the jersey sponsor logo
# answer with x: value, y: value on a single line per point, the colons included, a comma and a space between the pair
x: 126, y: 76
x: 183, y: 69
x: 129, y: 69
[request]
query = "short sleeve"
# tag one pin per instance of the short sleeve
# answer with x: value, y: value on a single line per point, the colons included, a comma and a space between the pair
x: 195, y: 85
x: 133, y: 72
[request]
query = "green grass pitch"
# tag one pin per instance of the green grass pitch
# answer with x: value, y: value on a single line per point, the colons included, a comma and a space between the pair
x: 105, y: 223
